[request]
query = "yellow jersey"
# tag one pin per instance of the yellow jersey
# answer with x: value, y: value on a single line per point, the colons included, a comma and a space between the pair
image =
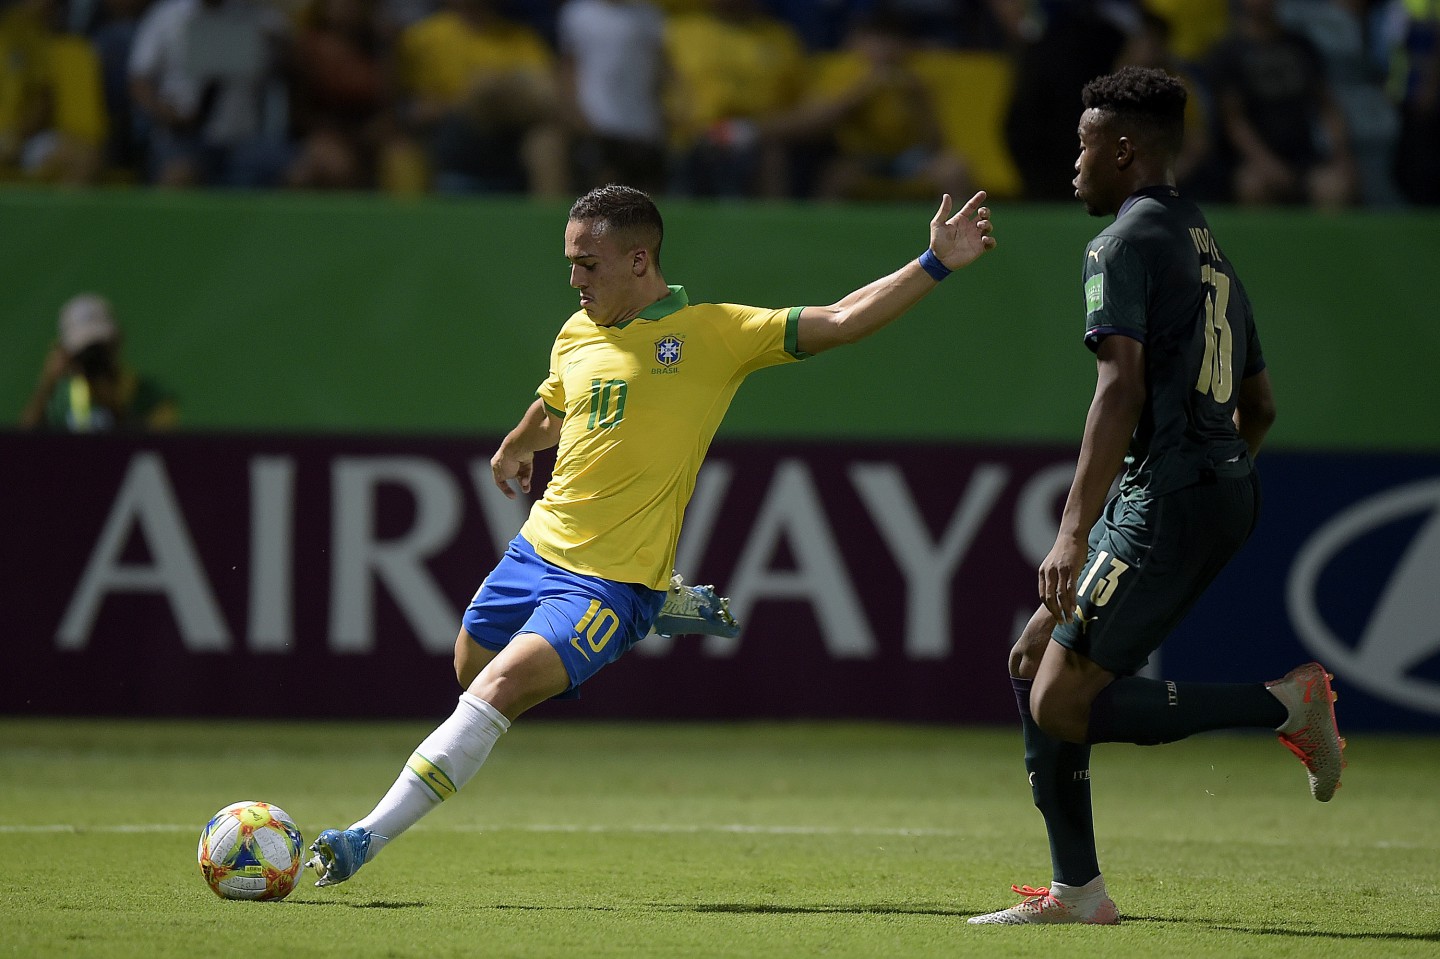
x: 442, y: 56
x: 726, y: 69
x: 640, y: 403
x: 897, y: 115
x: 58, y: 70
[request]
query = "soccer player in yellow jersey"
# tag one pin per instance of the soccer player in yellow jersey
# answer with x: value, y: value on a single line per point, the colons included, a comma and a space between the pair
x: 639, y: 381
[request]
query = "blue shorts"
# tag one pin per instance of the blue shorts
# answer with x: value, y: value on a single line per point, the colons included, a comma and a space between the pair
x: 588, y: 620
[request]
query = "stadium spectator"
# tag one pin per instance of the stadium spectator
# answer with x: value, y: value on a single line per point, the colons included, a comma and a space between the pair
x: 1150, y: 46
x: 113, y: 35
x: 953, y: 24
x: 1356, y: 71
x: 394, y: 16
x: 594, y: 559
x: 735, y: 67
x: 820, y: 26
x: 85, y: 385
x: 1283, y: 136
x: 1411, y: 32
x: 208, y: 78
x: 1195, y: 26
x: 478, y: 95
x: 612, y: 65
x: 1080, y: 41
x: 1005, y: 26
x: 52, y: 110
x: 339, y: 95
x: 875, y: 120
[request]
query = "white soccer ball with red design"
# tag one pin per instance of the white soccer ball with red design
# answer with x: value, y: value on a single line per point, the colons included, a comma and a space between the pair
x: 251, y: 850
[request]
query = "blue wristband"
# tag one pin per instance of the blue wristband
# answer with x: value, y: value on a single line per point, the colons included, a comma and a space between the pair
x: 931, y: 264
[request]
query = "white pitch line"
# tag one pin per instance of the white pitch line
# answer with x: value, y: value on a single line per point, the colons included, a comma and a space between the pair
x: 676, y: 829
x: 737, y: 828
x: 658, y: 828
x: 72, y: 828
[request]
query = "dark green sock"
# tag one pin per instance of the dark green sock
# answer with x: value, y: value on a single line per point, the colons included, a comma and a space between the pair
x: 1060, y: 784
x: 1153, y: 711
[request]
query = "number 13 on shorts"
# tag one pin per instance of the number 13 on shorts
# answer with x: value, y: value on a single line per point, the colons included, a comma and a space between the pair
x: 1105, y: 586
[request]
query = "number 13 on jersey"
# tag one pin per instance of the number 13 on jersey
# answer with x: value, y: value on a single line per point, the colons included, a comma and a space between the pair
x: 1217, y: 373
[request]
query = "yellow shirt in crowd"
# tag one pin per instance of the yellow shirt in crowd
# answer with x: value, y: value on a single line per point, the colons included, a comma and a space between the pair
x: 728, y: 69
x: 892, y: 118
x: 39, y: 67
x: 443, y: 55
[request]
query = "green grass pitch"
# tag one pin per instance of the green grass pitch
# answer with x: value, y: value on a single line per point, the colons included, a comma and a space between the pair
x: 743, y: 840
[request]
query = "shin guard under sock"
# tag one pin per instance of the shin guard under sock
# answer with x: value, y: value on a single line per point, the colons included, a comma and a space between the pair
x: 1060, y: 784
x: 1152, y: 711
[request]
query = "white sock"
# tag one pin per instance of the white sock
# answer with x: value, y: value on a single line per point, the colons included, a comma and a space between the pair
x: 1092, y: 890
x: 447, y: 759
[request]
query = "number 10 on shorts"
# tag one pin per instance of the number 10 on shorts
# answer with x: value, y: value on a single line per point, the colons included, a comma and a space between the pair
x: 597, y: 627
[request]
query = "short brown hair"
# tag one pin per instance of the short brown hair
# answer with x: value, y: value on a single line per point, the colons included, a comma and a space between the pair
x: 623, y: 209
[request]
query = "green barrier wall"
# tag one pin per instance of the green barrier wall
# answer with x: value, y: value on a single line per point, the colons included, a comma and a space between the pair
x: 277, y: 312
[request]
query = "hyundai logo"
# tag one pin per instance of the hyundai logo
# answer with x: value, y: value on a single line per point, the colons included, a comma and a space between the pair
x: 1402, y: 630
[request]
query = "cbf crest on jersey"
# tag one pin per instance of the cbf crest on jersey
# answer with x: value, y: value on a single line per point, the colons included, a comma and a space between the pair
x: 667, y: 350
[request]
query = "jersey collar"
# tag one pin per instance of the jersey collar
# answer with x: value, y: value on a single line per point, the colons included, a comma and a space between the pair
x: 661, y: 308
x: 1163, y: 189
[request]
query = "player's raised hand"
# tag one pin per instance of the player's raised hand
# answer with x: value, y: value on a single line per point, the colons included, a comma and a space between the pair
x: 960, y: 239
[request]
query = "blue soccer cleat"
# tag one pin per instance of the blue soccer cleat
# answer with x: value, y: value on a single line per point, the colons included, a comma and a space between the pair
x: 339, y: 854
x: 695, y: 610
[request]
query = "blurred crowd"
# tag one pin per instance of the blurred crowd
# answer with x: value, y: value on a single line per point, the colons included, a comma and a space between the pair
x: 1330, y: 103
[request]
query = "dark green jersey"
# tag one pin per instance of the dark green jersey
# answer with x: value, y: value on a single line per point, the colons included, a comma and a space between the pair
x: 1157, y: 275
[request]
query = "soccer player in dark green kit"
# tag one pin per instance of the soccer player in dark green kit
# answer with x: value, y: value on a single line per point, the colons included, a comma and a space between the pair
x: 1182, y: 403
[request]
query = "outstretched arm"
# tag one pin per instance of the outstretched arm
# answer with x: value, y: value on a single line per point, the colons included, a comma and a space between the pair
x: 955, y: 241
x: 515, y: 459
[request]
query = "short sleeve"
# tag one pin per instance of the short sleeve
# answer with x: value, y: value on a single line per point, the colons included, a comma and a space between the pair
x: 763, y: 337
x: 1116, y: 291
x: 552, y: 391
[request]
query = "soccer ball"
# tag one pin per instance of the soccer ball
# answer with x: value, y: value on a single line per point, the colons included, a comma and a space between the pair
x: 251, y: 850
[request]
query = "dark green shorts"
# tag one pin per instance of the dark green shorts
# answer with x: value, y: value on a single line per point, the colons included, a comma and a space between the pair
x: 1149, y: 562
